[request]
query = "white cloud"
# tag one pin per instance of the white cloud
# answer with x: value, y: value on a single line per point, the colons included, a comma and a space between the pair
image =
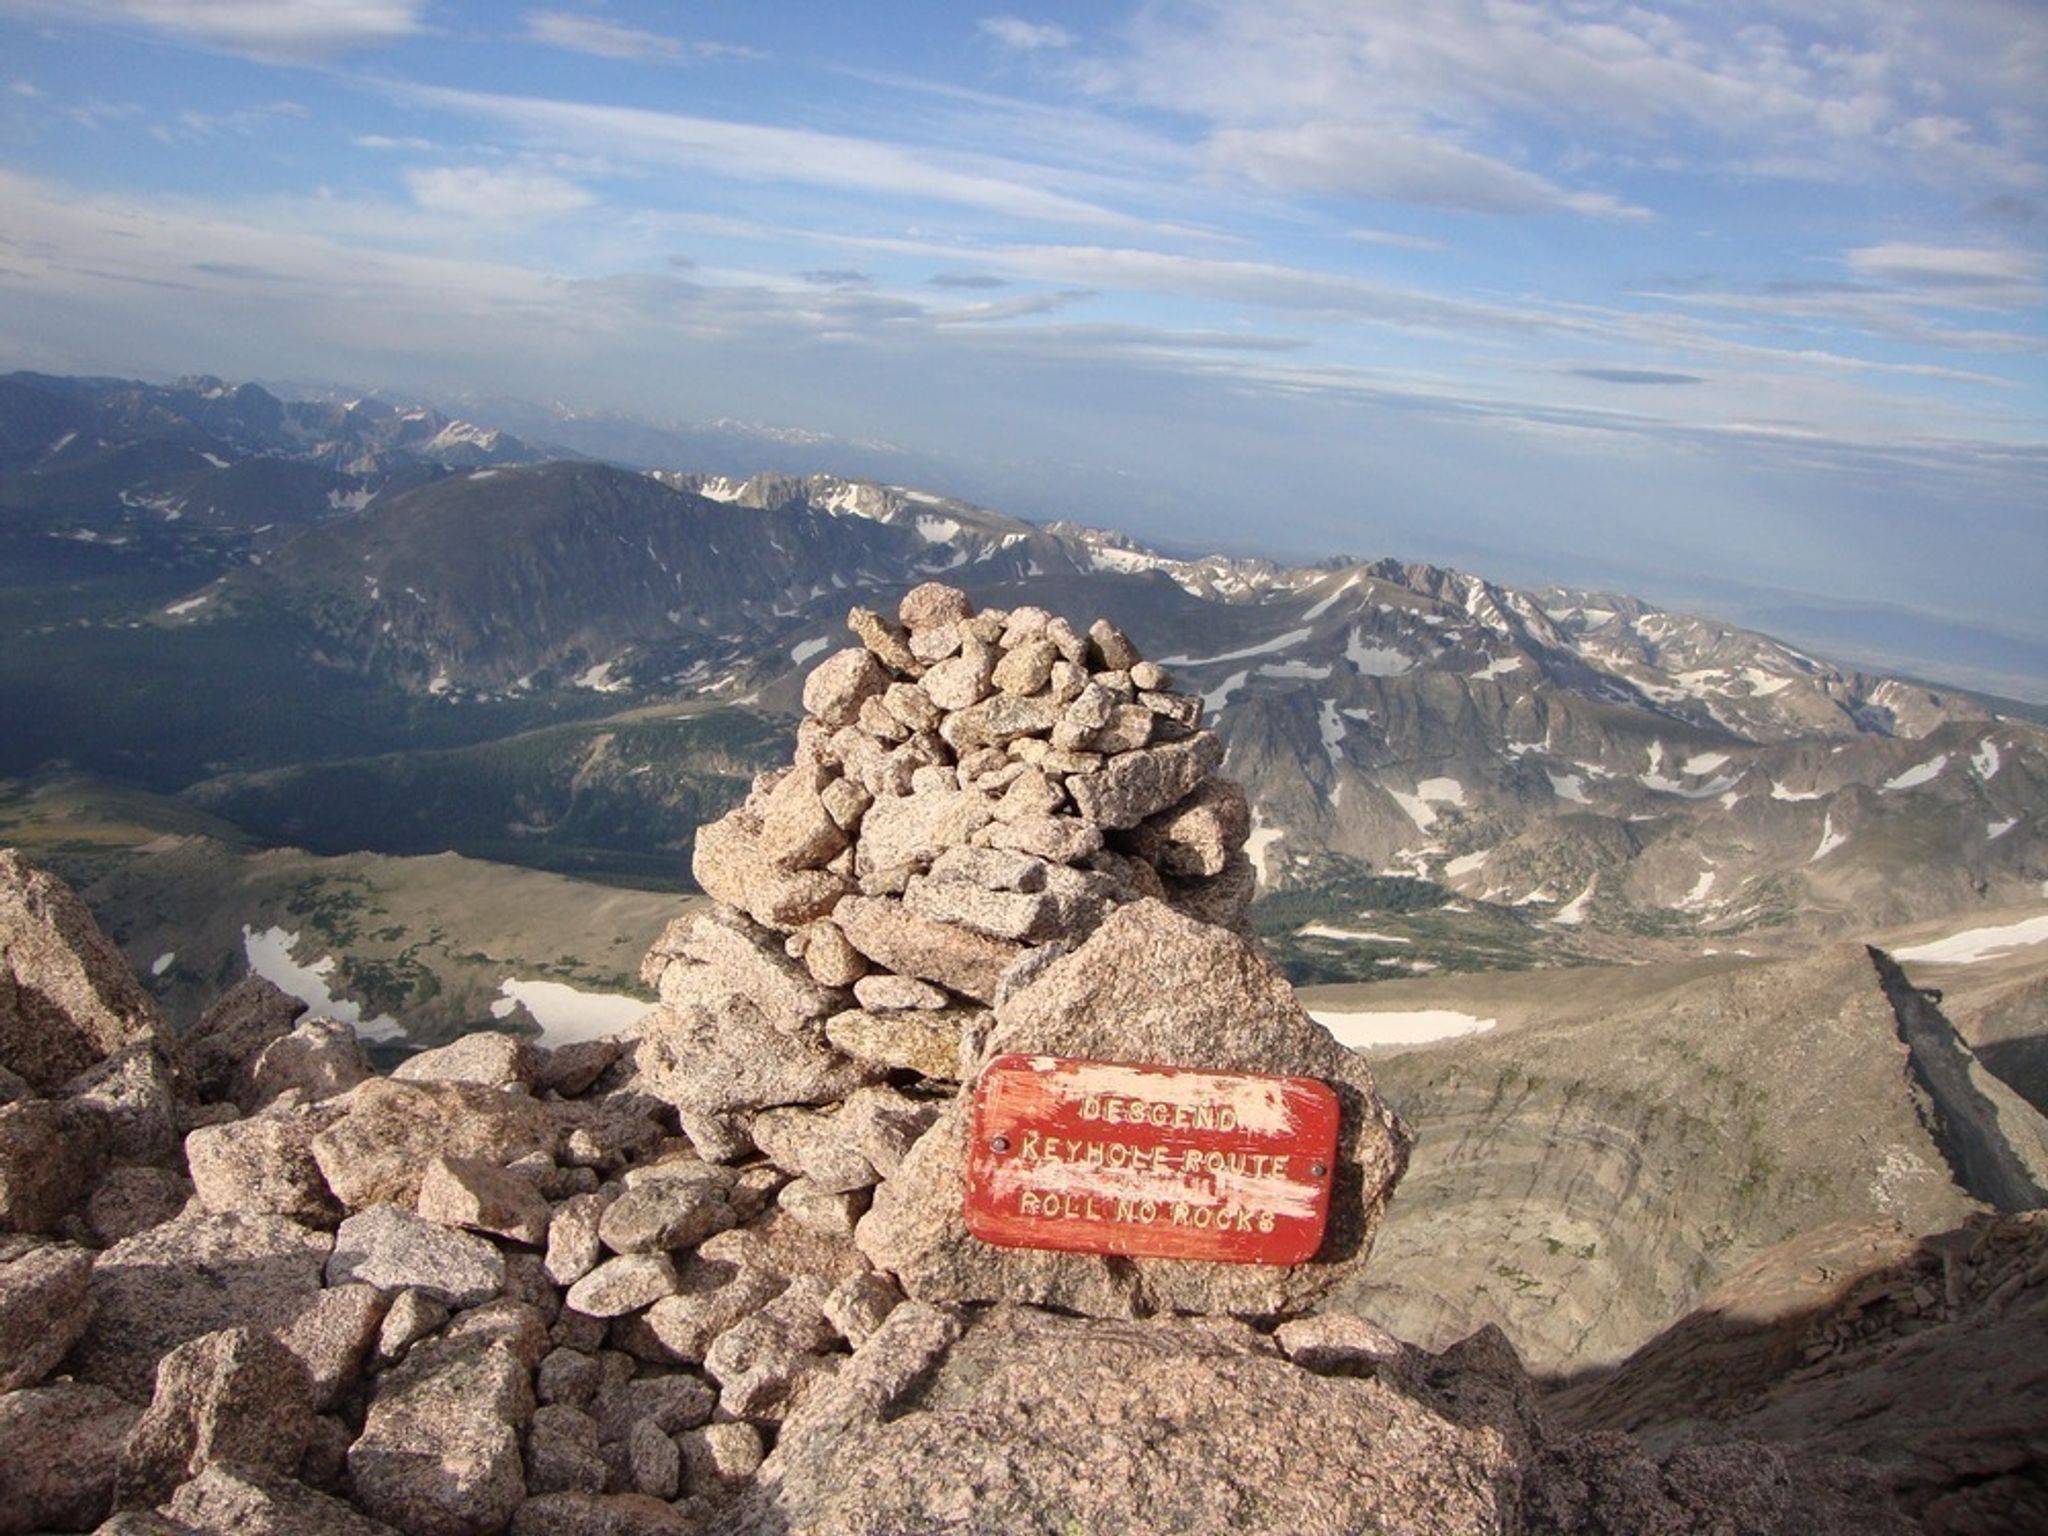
x: 754, y: 153
x: 611, y: 40
x: 477, y: 192
x: 284, y: 31
x: 1026, y: 36
x: 1937, y: 89
x: 1399, y: 165
x: 1395, y: 239
x: 1945, y: 265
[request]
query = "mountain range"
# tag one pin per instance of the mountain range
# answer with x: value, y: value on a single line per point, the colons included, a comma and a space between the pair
x: 1520, y: 775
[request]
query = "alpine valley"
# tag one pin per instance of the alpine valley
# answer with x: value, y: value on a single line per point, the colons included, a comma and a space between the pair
x: 424, y: 717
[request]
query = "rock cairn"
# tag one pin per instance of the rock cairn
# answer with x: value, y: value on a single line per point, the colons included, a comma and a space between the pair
x: 971, y: 792
x: 711, y: 1275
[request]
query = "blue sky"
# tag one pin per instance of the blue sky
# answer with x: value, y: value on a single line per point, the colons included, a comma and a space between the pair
x: 1738, y: 302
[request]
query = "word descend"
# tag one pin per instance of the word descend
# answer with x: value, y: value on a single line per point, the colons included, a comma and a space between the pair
x: 1150, y: 1162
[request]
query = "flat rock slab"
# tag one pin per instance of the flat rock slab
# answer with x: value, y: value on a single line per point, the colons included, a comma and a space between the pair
x: 394, y: 1250
x: 1228, y: 1010
x: 1037, y: 1423
x: 378, y: 1152
x: 711, y: 1063
x: 198, y: 1274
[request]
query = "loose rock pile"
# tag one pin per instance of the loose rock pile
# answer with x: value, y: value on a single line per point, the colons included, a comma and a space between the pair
x: 711, y: 1275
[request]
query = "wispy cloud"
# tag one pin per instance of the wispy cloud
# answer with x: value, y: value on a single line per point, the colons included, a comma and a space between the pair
x: 1395, y: 239
x: 967, y: 280
x: 280, y: 31
x: 1402, y: 165
x: 1026, y: 36
x: 582, y: 33
x: 198, y: 127
x: 1333, y: 95
x: 750, y: 152
x: 1021, y: 307
x: 480, y: 192
x: 1951, y: 267
x: 1636, y: 376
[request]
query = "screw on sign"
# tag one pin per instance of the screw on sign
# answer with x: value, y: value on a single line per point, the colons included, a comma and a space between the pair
x: 1149, y: 1161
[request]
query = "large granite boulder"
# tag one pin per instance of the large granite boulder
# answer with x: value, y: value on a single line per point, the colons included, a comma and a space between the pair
x: 67, y: 996
x: 379, y: 1150
x: 45, y: 1303
x: 201, y: 1273
x: 1151, y: 986
x: 60, y: 1449
x: 237, y: 1397
x: 439, y: 1453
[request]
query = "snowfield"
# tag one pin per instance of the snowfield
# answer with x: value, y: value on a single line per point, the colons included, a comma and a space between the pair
x: 1974, y: 944
x: 1363, y: 1031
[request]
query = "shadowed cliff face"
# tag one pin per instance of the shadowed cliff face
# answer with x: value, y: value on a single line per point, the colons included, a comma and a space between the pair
x: 1862, y: 1339
x: 1582, y: 1182
x: 1995, y: 1141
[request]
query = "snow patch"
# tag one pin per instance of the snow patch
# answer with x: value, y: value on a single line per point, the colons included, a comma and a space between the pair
x: 1466, y: 863
x: 1994, y: 830
x: 1704, y: 762
x: 1974, y: 944
x: 189, y: 604
x: 1363, y: 1031
x: 1830, y: 839
x: 270, y: 956
x: 1573, y: 912
x: 600, y: 679
x: 564, y: 1013
x: 1329, y: 602
x: 1499, y: 667
x: 1444, y: 791
x: 1256, y: 844
x: 1375, y: 660
x: 1301, y: 669
x: 1914, y: 777
x: 1568, y: 786
x: 1265, y: 648
x: 1419, y: 810
x: 163, y: 962
x: 1780, y: 792
x: 1350, y: 935
x: 1332, y: 726
x: 804, y: 650
x: 1217, y: 697
x: 1985, y: 758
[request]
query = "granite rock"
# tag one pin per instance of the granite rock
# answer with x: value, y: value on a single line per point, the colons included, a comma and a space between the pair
x: 1229, y: 1010
x: 45, y: 1304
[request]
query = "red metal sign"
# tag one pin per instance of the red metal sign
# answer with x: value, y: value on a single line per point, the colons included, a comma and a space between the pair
x: 1150, y: 1162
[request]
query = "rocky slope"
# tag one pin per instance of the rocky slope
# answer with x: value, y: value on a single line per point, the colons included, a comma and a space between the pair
x: 709, y: 1275
x: 1581, y: 1180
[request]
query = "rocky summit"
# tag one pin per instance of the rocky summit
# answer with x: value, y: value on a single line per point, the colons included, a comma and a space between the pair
x: 712, y: 1274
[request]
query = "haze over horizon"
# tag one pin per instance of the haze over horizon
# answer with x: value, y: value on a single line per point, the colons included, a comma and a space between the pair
x: 1723, y: 304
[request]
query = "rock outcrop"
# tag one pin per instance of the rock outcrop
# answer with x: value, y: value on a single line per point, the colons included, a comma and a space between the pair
x: 712, y: 1276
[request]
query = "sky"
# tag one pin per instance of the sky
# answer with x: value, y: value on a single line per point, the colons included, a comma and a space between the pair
x: 1720, y: 301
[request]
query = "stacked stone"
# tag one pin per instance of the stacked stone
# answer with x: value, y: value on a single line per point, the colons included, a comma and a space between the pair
x: 968, y: 789
x: 247, y: 1285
